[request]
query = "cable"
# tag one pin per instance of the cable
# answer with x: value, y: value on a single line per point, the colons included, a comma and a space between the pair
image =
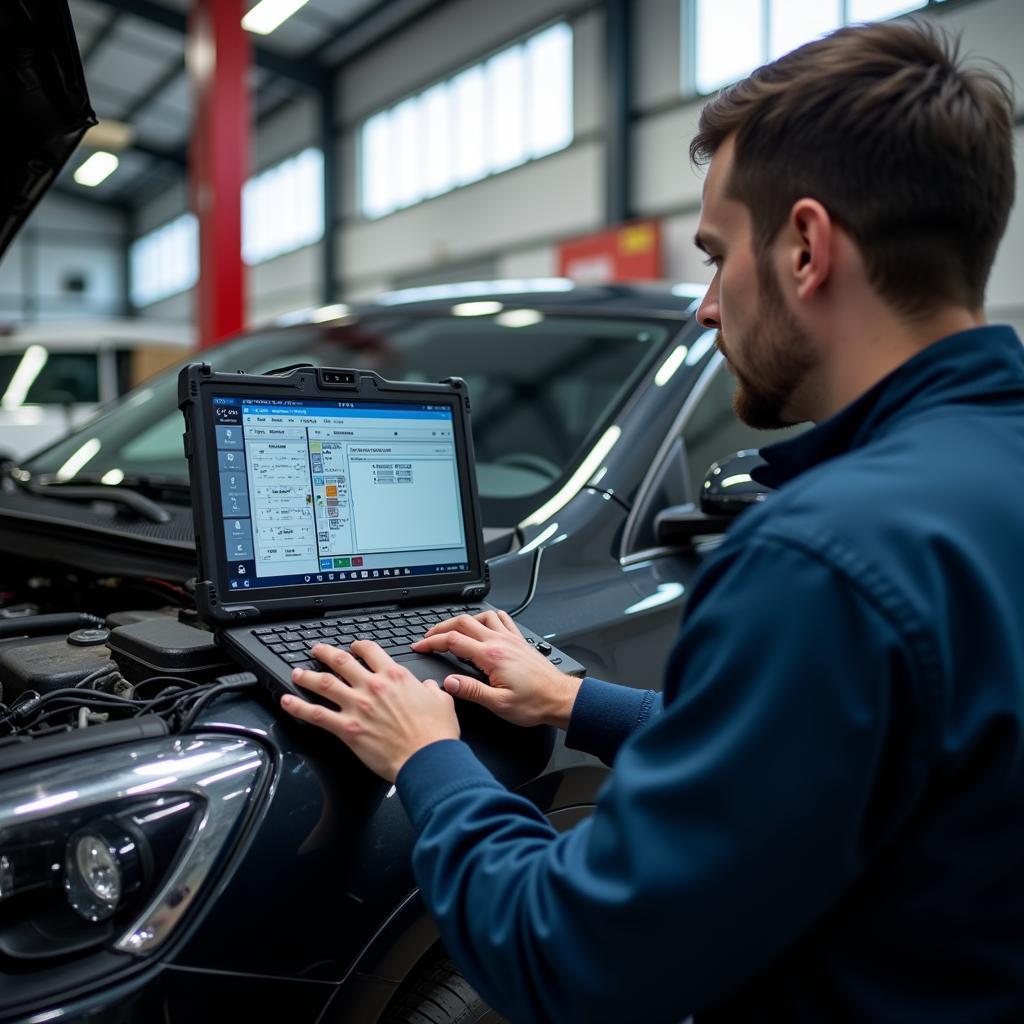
x: 225, y: 684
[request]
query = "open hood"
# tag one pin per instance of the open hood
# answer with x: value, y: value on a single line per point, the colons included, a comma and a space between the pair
x: 44, y: 104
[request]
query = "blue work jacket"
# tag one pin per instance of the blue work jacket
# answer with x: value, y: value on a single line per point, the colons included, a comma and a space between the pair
x: 825, y: 822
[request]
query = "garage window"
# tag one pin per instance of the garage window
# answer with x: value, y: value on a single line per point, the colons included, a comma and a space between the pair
x: 723, y: 40
x: 283, y: 208
x: 165, y: 261
x: 491, y: 117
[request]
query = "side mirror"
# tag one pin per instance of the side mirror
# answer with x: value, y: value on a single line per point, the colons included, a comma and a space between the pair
x: 727, y: 490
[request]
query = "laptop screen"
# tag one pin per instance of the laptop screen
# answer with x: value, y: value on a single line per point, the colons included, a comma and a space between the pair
x: 316, y: 491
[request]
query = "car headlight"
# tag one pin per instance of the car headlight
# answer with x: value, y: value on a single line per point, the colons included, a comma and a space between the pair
x: 109, y: 851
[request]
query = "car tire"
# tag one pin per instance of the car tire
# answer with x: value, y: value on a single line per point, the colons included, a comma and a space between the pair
x: 437, y: 993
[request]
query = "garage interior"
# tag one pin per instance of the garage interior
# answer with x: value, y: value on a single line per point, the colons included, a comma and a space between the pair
x: 338, y: 83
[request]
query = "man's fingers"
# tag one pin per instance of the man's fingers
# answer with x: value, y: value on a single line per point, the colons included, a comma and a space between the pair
x: 320, y: 682
x: 314, y: 714
x: 370, y: 651
x: 509, y: 622
x: 465, y: 624
x: 459, y: 644
x: 472, y: 690
x: 341, y: 663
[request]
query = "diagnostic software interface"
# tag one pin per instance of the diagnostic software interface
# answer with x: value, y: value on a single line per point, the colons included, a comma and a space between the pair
x: 325, y: 491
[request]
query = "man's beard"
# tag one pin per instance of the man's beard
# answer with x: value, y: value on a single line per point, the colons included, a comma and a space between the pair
x: 777, y: 356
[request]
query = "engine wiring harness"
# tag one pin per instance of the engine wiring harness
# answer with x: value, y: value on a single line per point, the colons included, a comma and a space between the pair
x: 105, y: 695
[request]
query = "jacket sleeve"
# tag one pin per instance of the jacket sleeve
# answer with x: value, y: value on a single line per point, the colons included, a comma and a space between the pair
x: 733, y: 821
x: 605, y: 714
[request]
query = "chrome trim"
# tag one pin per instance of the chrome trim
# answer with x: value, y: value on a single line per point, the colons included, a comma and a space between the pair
x: 647, y: 484
x: 215, y: 769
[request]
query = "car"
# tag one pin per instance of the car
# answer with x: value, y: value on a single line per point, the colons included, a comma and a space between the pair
x: 596, y: 412
x: 56, y: 375
x: 171, y: 846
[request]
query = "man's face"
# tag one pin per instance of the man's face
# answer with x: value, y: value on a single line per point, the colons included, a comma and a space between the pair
x: 767, y: 350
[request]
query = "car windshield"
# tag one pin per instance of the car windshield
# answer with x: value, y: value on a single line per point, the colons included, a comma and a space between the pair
x: 541, y: 388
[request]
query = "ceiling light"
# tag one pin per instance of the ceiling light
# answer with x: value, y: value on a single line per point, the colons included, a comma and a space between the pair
x: 268, y: 14
x: 97, y: 168
x: 477, y: 308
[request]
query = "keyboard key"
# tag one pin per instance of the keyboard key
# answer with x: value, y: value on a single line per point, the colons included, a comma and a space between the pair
x: 294, y: 657
x: 309, y: 634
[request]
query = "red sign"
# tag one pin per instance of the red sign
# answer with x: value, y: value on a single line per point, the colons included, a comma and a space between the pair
x: 629, y: 253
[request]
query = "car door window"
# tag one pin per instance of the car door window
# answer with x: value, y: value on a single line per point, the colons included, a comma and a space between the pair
x: 714, y: 431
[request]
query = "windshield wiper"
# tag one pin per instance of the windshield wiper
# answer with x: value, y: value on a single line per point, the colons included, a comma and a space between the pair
x: 117, y: 494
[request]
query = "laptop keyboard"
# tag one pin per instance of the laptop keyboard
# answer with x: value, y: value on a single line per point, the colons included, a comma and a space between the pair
x: 394, y: 631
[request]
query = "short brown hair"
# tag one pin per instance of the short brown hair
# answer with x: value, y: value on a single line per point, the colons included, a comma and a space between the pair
x: 910, y: 151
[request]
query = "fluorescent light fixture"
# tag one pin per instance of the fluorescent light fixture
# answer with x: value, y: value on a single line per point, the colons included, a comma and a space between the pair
x: 519, y: 317
x: 112, y: 477
x: 587, y: 468
x: 33, y: 360
x: 79, y: 459
x: 97, y: 168
x: 671, y: 364
x: 268, y: 14
x: 477, y: 308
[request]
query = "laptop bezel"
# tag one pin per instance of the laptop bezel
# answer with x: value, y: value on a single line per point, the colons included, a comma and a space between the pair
x: 216, y: 602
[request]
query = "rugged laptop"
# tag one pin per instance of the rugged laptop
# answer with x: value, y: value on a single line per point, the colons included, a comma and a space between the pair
x: 332, y: 505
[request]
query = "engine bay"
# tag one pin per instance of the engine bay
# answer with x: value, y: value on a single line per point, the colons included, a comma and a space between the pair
x: 79, y: 650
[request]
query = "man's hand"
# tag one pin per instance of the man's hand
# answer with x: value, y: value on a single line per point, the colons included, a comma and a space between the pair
x: 385, y: 714
x: 525, y: 689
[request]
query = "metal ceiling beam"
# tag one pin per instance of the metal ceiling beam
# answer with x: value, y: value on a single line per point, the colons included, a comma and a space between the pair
x: 144, y: 99
x: 103, y: 33
x: 309, y: 75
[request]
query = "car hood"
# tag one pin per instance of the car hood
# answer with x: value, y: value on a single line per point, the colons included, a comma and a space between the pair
x: 44, y: 104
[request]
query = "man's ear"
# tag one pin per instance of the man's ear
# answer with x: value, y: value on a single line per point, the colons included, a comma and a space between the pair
x: 811, y: 234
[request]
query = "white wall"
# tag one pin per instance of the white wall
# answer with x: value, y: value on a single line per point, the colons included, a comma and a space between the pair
x: 63, y: 240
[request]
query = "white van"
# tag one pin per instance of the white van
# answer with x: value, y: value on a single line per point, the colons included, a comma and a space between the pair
x: 54, y: 376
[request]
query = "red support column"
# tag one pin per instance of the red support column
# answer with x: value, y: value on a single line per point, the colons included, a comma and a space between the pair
x: 219, y: 56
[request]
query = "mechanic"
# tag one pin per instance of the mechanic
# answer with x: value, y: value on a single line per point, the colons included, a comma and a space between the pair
x: 825, y: 821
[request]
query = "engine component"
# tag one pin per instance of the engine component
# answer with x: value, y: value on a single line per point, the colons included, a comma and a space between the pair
x: 45, y: 663
x: 165, y: 647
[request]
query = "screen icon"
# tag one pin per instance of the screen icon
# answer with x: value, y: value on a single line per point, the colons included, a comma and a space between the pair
x: 364, y: 574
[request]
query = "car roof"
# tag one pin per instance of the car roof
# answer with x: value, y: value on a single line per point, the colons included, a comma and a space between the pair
x: 95, y: 334
x: 675, y: 299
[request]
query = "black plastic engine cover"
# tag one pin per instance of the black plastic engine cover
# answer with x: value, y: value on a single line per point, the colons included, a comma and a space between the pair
x: 164, y: 646
x: 45, y: 663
